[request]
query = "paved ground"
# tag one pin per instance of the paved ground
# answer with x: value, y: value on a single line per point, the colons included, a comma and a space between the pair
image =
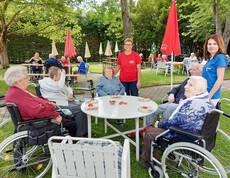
x: 153, y: 92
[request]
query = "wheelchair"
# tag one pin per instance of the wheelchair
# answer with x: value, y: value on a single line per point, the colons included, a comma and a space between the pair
x: 193, y: 155
x: 26, y: 154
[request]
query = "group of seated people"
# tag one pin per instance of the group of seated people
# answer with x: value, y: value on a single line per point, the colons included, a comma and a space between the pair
x: 54, y: 92
x: 186, y: 108
x: 61, y: 63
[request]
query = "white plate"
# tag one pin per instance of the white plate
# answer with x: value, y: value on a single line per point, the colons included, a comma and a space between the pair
x: 89, y: 101
x: 143, y: 100
x: 113, y: 96
x: 91, y: 108
x: 150, y: 109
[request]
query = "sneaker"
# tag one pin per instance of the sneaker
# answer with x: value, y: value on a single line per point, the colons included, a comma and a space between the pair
x: 120, y: 122
x: 144, y: 164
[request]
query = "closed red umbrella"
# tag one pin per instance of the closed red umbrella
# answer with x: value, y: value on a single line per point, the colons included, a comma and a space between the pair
x: 69, y: 47
x: 171, y: 41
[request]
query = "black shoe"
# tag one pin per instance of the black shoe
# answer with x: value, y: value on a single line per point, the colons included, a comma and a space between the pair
x: 144, y: 164
x: 120, y: 122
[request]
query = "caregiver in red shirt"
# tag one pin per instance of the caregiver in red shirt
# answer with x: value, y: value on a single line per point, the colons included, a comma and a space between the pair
x: 129, y: 64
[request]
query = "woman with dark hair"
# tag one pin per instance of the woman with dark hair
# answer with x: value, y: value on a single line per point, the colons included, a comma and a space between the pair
x: 214, y: 69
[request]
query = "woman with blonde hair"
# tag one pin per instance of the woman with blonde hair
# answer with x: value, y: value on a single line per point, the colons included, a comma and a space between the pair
x: 214, y: 69
x: 110, y: 85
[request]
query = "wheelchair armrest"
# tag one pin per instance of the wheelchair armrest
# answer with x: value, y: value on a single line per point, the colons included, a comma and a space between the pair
x: 186, y: 133
x: 32, y: 121
x: 2, y: 96
x: 2, y: 105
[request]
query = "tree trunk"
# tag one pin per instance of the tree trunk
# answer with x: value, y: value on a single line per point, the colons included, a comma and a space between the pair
x: 3, y: 49
x: 215, y: 8
x: 226, y: 34
x: 127, y: 23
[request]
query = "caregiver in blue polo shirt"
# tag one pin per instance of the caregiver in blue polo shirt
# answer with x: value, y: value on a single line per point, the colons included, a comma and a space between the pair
x: 214, y: 69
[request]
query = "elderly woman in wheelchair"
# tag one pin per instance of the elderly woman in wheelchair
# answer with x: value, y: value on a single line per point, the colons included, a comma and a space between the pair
x: 181, y: 131
x: 35, y: 121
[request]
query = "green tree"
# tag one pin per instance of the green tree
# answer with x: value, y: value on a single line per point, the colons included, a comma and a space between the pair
x: 48, y: 18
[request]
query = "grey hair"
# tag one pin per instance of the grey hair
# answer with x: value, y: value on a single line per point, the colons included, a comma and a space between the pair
x: 63, y: 57
x: 51, y: 56
x: 15, y: 74
x: 198, y: 66
x: 80, y: 58
x: 200, y: 82
x: 53, y: 71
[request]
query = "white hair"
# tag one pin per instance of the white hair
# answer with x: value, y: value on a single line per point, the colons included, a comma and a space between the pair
x: 15, y: 74
x: 51, y: 56
x: 200, y: 83
x: 80, y: 58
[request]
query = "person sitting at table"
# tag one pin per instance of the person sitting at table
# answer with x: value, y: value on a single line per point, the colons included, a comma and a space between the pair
x: 175, y: 96
x: 36, y: 60
x: 189, y: 115
x: 186, y: 63
x: 110, y: 85
x: 81, y: 68
x: 54, y: 89
x: 193, y: 57
x: 64, y: 63
x: 52, y: 62
x: 30, y: 105
x: 164, y: 59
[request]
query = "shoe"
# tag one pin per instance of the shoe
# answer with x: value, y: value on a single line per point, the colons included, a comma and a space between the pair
x: 144, y: 164
x: 120, y: 122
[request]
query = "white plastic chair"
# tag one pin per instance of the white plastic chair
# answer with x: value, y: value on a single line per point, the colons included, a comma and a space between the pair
x: 162, y: 66
x: 85, y: 157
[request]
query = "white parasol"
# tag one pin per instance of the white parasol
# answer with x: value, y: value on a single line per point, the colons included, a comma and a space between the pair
x: 100, y: 51
x: 108, y: 51
x: 54, y: 49
x: 116, y: 49
x: 87, y: 52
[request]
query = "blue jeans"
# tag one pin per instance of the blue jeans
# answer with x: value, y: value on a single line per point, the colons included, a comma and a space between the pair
x: 34, y: 70
x: 131, y: 87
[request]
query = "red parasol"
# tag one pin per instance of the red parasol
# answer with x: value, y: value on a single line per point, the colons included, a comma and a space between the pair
x: 69, y: 47
x: 171, y: 41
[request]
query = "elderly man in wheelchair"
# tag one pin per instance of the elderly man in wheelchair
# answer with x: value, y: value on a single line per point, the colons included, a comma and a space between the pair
x: 185, y: 152
x: 25, y: 153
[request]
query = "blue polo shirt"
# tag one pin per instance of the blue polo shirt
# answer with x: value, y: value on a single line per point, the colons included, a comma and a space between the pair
x: 210, y: 72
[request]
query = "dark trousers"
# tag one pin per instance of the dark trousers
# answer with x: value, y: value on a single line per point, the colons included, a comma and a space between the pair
x: 79, y: 117
x: 34, y: 70
x: 131, y: 88
x: 69, y: 124
x: 149, y: 136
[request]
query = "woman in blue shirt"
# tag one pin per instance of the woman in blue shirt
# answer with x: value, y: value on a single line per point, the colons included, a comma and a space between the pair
x: 214, y: 69
x: 81, y: 67
x: 110, y: 85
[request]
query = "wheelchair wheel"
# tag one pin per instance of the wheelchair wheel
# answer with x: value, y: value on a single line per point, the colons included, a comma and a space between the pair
x: 194, y: 161
x: 157, y: 173
x: 7, y: 129
x: 22, y: 160
x: 222, y: 149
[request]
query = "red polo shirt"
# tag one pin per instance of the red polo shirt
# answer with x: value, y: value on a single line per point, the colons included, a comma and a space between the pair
x: 128, y: 63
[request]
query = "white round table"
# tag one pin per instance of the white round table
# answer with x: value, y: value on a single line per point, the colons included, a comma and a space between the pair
x: 129, y: 111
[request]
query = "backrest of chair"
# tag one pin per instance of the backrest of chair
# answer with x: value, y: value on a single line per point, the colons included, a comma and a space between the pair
x: 38, y: 91
x: 86, y: 68
x: 15, y: 114
x: 209, y: 128
x: 161, y: 65
x: 85, y: 157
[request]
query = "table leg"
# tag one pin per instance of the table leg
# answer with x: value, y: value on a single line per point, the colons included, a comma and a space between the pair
x: 105, y: 125
x: 137, y: 138
x: 89, y: 126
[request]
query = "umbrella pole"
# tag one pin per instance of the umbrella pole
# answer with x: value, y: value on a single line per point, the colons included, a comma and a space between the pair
x: 69, y: 67
x: 171, y: 70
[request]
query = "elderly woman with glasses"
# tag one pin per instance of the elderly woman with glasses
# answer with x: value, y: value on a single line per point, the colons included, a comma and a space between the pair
x: 30, y: 105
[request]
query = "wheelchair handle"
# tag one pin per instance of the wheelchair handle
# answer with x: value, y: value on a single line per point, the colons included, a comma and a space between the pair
x: 2, y: 105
